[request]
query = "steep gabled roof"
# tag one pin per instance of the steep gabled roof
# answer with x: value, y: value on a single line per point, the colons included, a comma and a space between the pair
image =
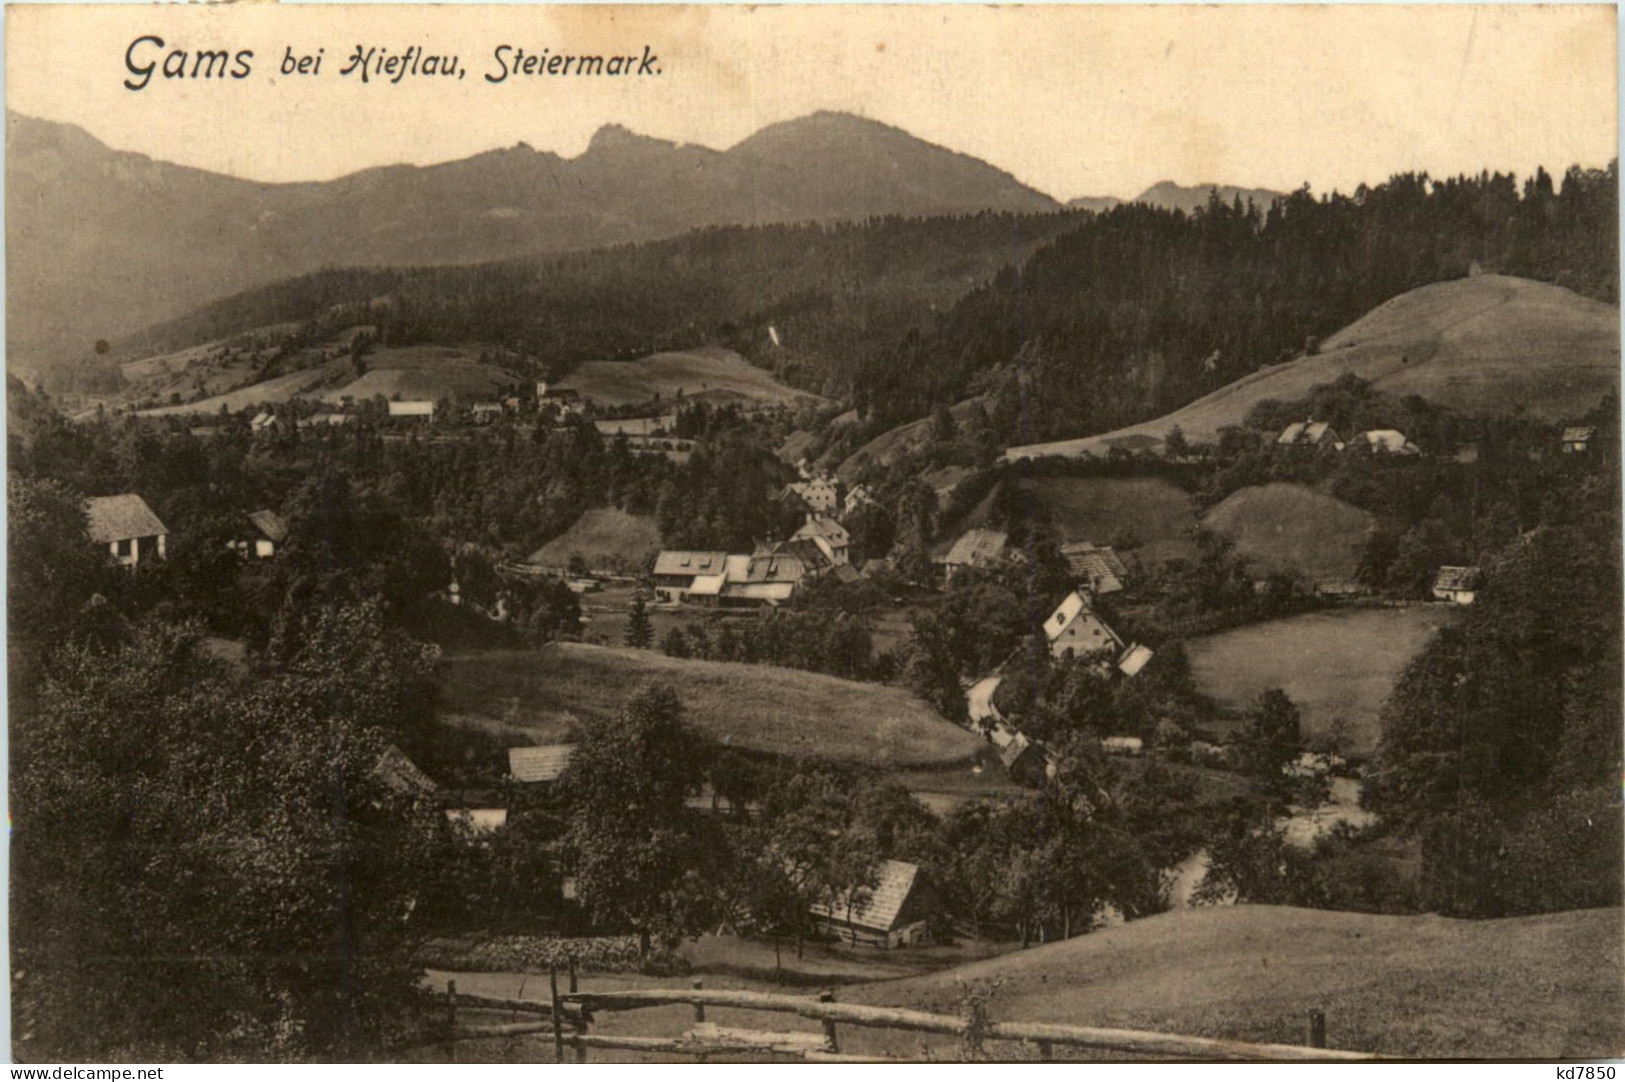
x: 539, y: 764
x: 1064, y: 614
x: 1578, y: 433
x: 880, y: 907
x: 827, y: 528
x: 401, y: 774
x: 120, y: 518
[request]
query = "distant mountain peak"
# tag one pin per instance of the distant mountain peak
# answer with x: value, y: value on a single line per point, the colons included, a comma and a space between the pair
x: 617, y: 138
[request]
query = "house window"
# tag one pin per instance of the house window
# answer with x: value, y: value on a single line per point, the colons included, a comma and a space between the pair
x: 126, y: 546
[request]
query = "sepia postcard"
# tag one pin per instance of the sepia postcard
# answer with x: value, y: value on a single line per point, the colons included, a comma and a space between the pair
x: 830, y: 534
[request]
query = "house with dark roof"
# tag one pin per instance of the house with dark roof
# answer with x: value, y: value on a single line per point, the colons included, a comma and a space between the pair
x: 1457, y: 585
x: 1577, y: 439
x: 263, y: 532
x: 829, y: 535
x: 1311, y: 433
x: 894, y: 912
x: 127, y: 526
x: 678, y: 572
x: 1096, y: 568
x: 401, y: 775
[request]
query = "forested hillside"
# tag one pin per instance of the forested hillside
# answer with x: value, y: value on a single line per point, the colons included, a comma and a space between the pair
x: 1077, y: 322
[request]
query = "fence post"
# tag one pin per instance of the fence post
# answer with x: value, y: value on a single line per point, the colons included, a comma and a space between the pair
x: 1317, y: 1028
x: 573, y: 988
x: 557, y: 1012
x: 975, y: 1027
x: 699, y: 1015
x: 451, y: 1019
x: 830, y: 1042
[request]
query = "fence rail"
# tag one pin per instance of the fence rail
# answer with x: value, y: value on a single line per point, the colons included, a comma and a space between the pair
x: 574, y: 1011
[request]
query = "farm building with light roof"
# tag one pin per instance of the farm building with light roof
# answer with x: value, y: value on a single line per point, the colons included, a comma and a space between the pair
x: 893, y: 913
x: 127, y: 526
x: 1577, y: 439
x: 975, y: 548
x: 1457, y: 585
x: 539, y: 765
x: 1097, y: 567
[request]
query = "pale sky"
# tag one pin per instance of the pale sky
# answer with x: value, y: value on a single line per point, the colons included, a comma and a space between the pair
x: 1071, y: 100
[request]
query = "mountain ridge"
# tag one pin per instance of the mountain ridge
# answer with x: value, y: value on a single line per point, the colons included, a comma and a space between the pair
x: 88, y: 225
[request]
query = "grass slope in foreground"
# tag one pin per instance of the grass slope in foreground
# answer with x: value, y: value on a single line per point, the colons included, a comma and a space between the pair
x: 1543, y: 987
x: 756, y: 707
x: 1338, y: 664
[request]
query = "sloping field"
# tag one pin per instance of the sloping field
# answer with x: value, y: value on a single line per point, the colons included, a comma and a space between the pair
x: 411, y: 372
x: 1486, y: 344
x: 1546, y: 987
x: 309, y: 381
x: 607, y: 538
x: 1147, y: 517
x: 1293, y: 528
x: 781, y: 711
x: 426, y: 372
x: 1338, y: 664
x: 696, y: 372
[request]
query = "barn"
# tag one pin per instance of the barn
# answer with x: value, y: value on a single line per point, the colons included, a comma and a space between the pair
x: 892, y: 914
x: 540, y: 765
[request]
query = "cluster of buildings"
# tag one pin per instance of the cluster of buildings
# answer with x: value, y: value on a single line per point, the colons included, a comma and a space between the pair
x: 1319, y: 435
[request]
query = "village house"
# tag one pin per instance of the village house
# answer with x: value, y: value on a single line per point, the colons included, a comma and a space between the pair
x: 264, y: 421
x: 1095, y: 567
x: 829, y: 535
x: 567, y: 400
x: 263, y: 532
x: 819, y: 494
x: 1027, y: 762
x: 127, y: 526
x: 1123, y: 745
x: 1311, y: 433
x: 486, y: 412
x: 710, y: 802
x: 895, y: 912
x: 539, y: 765
x: 677, y: 571
x: 975, y: 548
x: 856, y: 497
x: 1385, y: 441
x: 1457, y: 585
x: 1577, y: 439
x: 1074, y: 628
x: 769, y: 580
x: 413, y: 409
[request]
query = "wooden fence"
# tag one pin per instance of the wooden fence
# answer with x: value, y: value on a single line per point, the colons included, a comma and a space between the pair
x: 568, y: 1017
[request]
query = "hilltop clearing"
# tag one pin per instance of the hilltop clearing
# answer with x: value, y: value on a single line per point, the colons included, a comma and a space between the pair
x: 1486, y: 344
